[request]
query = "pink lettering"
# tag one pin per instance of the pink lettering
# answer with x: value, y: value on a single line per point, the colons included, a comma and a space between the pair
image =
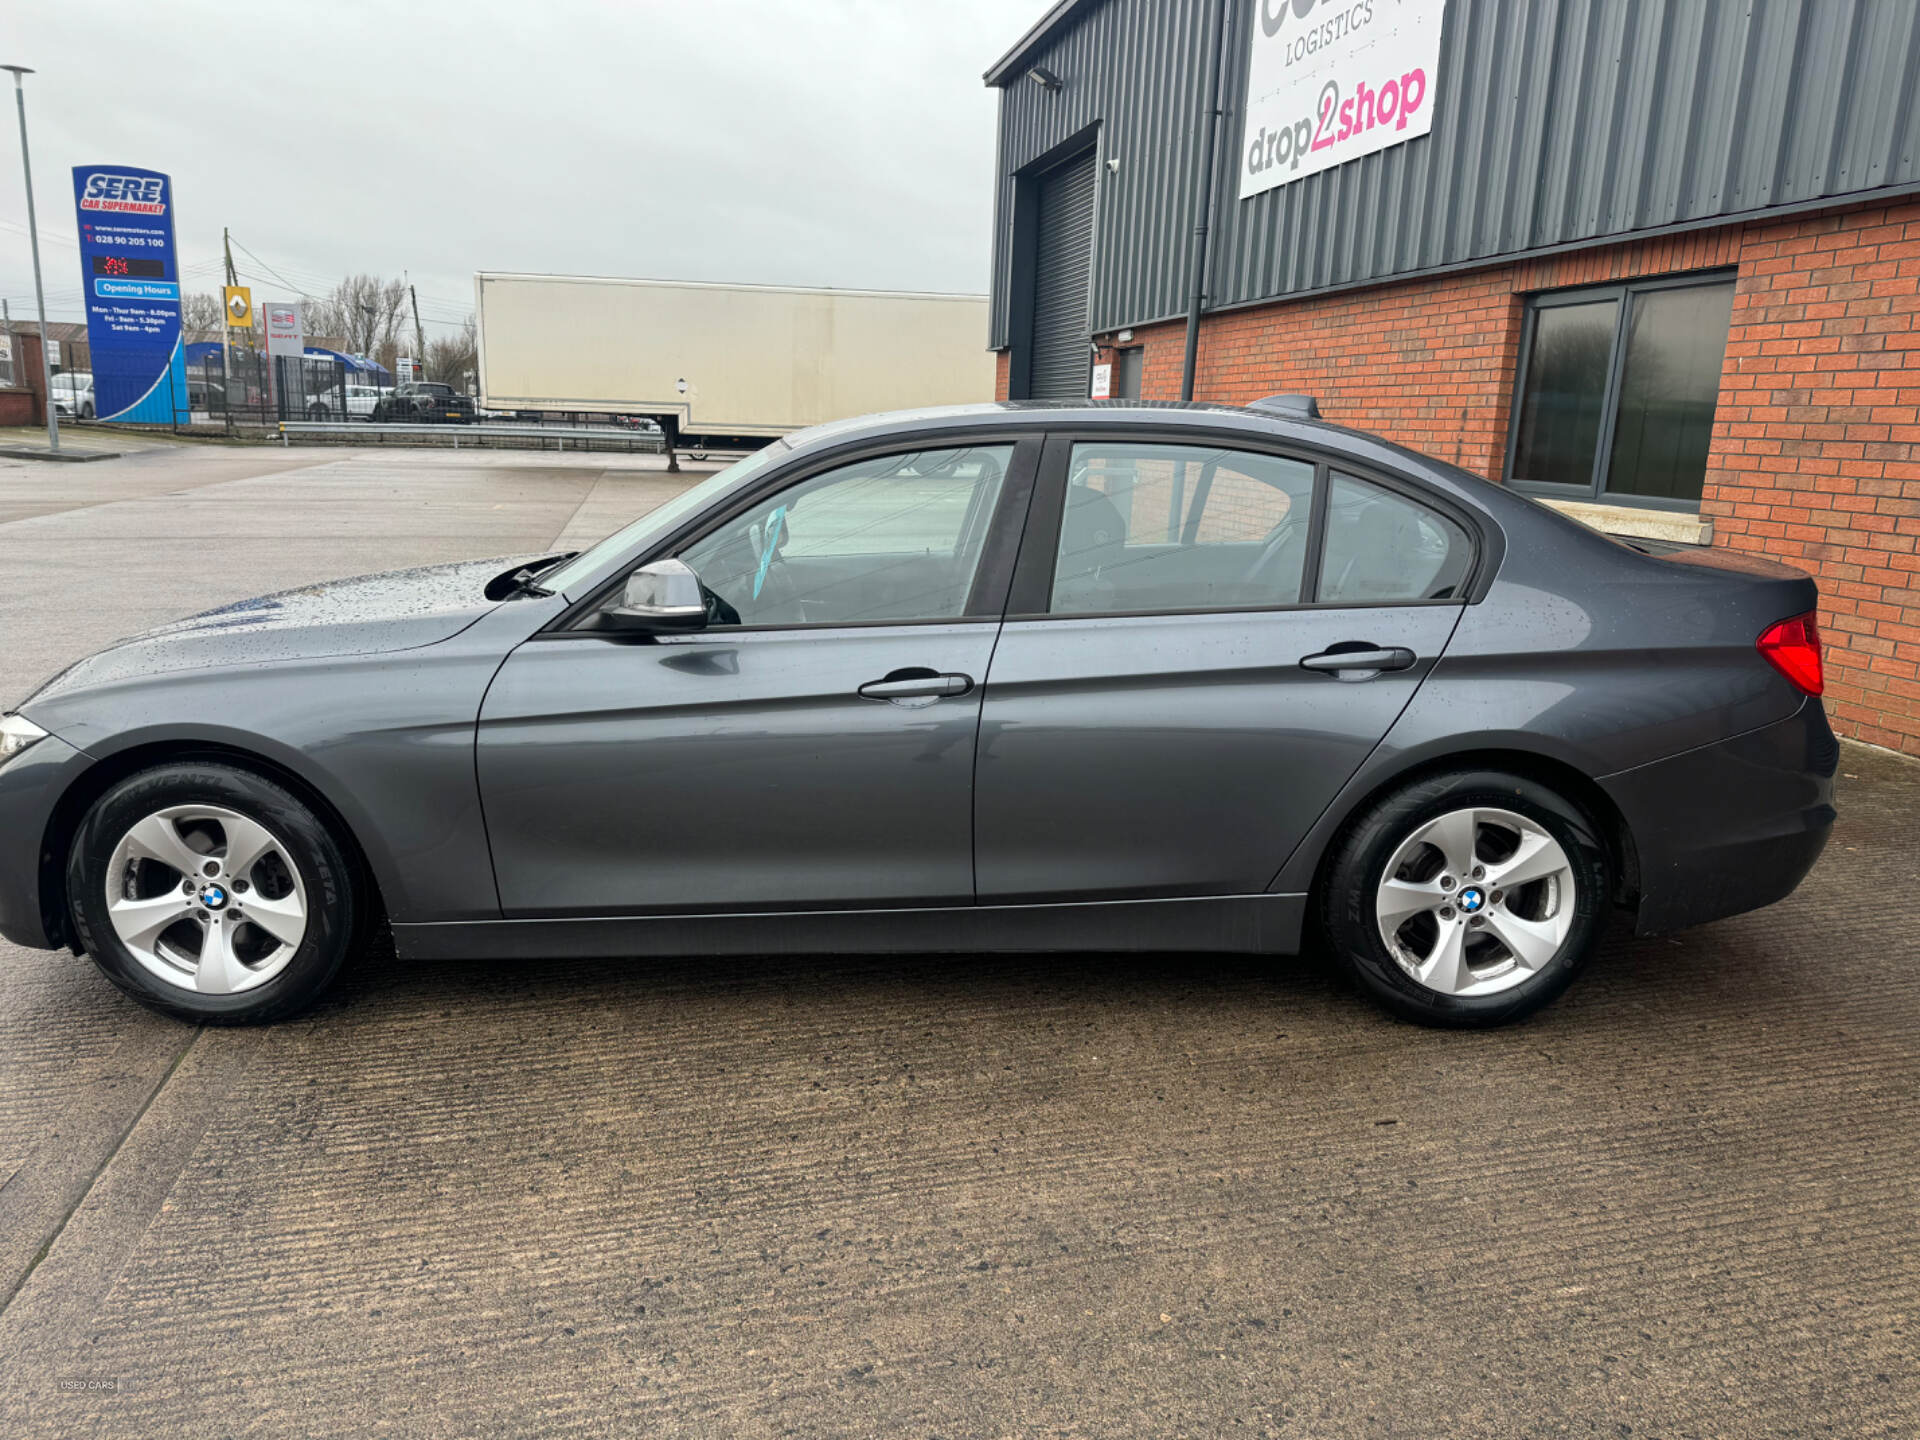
x: 1413, y: 89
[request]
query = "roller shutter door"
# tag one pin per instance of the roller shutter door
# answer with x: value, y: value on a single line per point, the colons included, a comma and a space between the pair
x: 1062, y: 358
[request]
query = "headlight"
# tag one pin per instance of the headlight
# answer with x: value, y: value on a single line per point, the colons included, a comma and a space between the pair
x: 16, y: 734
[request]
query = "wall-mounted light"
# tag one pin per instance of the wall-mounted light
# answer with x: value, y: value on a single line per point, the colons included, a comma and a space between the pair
x: 1113, y: 165
x: 1125, y: 335
x: 1044, y: 78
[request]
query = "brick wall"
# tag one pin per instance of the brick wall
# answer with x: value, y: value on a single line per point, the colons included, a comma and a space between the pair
x: 1816, y: 450
x: 1816, y: 444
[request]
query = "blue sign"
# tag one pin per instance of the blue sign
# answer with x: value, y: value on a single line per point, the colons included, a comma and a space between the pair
x: 132, y: 286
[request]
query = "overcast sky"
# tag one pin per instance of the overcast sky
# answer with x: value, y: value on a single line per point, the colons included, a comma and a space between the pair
x: 810, y: 142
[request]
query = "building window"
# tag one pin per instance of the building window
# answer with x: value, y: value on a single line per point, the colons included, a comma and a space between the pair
x: 1616, y: 391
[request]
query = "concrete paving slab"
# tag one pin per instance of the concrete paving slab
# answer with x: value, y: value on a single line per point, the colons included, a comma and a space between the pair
x: 967, y: 1196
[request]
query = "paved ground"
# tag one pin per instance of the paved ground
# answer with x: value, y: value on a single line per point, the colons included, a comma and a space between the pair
x: 1159, y: 1196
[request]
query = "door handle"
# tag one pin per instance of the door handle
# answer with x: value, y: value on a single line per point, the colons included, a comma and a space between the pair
x: 916, y: 684
x: 1355, y: 661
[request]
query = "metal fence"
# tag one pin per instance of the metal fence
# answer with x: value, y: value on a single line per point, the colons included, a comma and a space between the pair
x: 489, y: 435
x: 245, y: 388
x: 248, y: 388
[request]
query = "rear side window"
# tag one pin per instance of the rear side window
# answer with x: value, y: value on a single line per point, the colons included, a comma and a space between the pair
x: 1383, y: 547
x: 1181, y: 527
x: 1149, y: 528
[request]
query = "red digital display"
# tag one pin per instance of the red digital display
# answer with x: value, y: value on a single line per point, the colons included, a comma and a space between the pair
x: 131, y: 267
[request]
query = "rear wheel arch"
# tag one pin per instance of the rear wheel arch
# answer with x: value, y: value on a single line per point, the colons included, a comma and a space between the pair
x: 72, y: 807
x: 1566, y: 780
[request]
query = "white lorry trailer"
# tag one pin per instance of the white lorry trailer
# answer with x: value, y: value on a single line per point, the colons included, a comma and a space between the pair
x: 721, y: 364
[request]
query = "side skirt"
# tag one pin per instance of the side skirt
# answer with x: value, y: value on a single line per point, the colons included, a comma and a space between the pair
x: 1258, y: 924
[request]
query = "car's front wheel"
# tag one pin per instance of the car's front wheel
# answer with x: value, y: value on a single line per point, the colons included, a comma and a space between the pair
x: 1468, y: 898
x: 212, y: 894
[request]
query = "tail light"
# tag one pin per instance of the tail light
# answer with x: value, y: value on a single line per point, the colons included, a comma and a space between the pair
x: 1793, y: 648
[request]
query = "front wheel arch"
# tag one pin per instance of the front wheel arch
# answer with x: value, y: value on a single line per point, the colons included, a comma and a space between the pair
x: 96, y: 780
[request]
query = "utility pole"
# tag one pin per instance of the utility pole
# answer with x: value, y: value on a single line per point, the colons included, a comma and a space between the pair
x: 33, y: 238
x: 226, y: 337
x: 419, y: 338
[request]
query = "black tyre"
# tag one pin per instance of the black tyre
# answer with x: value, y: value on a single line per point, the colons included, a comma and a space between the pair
x: 214, y: 895
x: 1467, y: 899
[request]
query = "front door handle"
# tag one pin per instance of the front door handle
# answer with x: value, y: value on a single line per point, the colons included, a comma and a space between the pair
x: 1354, y: 661
x: 916, y: 683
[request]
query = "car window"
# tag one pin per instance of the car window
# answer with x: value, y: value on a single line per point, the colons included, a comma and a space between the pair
x: 1382, y: 546
x: 1180, y: 527
x: 893, y: 538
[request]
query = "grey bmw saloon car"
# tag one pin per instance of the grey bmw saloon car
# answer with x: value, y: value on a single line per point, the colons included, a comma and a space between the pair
x: 1095, y: 677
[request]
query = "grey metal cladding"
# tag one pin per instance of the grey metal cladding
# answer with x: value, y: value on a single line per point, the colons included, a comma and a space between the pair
x: 1132, y: 67
x: 1557, y: 122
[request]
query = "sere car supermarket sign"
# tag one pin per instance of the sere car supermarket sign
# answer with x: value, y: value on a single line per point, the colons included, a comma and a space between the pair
x: 1331, y: 80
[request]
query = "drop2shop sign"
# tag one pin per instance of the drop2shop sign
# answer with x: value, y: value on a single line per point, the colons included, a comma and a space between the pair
x: 1331, y: 80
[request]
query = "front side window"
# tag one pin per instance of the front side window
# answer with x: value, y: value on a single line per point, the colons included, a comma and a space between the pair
x: 895, y: 538
x: 575, y: 573
x: 1617, y: 391
x: 1181, y: 527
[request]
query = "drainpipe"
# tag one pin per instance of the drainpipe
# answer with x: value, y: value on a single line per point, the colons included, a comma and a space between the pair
x: 1203, y: 195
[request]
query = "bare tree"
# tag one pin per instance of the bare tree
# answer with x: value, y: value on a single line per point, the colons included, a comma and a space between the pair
x: 453, y: 358
x: 202, y: 310
x: 363, y: 310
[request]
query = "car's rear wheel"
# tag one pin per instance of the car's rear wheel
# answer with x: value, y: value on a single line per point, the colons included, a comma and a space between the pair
x: 1467, y: 899
x: 212, y: 894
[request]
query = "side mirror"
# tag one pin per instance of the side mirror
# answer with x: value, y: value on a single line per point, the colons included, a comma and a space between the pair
x: 665, y: 595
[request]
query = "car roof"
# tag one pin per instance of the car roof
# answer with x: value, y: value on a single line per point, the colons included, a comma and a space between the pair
x: 1272, y: 421
x: 1282, y: 422
x: 1158, y: 413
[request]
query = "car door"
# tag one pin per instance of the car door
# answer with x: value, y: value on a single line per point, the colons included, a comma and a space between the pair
x: 1203, y: 644
x: 813, y: 746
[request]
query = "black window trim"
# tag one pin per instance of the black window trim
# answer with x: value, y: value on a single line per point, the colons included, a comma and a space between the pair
x: 986, y: 600
x: 1032, y: 590
x: 1623, y: 292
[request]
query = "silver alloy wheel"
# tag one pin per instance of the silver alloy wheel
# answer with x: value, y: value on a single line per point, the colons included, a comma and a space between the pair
x: 1476, y: 901
x: 206, y: 899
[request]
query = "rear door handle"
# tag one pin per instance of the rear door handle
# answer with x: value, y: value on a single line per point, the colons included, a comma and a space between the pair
x: 1360, y: 662
x: 916, y: 684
